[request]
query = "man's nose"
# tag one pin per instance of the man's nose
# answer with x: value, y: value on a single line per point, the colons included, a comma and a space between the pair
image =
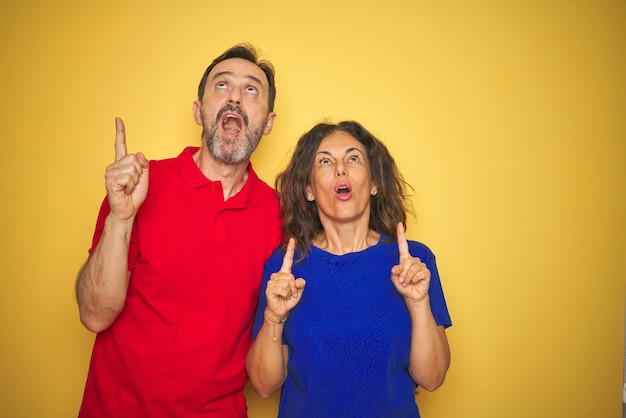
x: 234, y: 97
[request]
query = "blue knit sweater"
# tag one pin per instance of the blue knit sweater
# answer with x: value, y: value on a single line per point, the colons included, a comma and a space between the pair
x: 349, y: 337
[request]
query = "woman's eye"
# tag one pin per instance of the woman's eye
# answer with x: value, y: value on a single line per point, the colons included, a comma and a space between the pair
x: 353, y: 159
x: 324, y: 161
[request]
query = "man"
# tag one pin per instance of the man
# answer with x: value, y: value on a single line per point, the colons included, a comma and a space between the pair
x: 173, y: 276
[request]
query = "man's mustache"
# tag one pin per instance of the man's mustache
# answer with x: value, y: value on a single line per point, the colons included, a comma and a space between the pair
x: 232, y: 108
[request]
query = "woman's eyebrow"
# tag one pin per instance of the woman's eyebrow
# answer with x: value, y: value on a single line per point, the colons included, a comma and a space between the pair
x: 323, y: 152
x: 349, y: 150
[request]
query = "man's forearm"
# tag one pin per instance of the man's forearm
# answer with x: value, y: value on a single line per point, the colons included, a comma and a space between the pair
x: 103, y: 280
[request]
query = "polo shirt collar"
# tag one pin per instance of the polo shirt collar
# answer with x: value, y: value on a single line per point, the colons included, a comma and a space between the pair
x: 196, y: 179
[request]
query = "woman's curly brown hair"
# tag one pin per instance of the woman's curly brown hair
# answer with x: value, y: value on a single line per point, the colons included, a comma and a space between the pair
x: 300, y: 216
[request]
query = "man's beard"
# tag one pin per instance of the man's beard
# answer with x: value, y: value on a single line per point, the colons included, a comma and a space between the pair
x: 226, y: 150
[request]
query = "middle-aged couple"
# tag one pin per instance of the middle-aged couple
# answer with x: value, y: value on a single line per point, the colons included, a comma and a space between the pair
x: 350, y: 315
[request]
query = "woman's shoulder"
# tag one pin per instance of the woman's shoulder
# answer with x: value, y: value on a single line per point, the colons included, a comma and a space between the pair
x: 416, y: 248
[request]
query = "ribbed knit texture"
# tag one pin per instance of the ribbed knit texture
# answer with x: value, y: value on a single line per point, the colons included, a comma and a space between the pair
x: 349, y: 336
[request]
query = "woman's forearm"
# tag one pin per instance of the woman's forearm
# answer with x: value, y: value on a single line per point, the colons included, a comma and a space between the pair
x: 430, y: 352
x: 266, y: 363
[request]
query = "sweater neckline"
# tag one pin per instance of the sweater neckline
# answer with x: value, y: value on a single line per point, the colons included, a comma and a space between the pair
x: 349, y: 256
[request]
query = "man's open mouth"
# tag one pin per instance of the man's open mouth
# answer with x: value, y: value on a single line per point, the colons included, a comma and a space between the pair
x: 232, y: 123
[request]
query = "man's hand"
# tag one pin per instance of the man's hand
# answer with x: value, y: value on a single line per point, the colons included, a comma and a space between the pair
x: 126, y: 179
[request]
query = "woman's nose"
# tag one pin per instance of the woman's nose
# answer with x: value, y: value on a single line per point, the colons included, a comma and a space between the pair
x: 340, y: 171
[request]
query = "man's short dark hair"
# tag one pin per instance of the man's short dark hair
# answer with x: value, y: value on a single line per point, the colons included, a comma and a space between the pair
x: 250, y: 53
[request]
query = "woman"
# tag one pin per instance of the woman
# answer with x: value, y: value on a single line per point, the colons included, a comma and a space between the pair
x: 353, y: 315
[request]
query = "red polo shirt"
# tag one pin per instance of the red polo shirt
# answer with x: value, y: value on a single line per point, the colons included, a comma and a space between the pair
x: 178, y: 348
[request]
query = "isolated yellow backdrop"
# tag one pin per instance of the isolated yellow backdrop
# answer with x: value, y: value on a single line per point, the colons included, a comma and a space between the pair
x: 507, y: 117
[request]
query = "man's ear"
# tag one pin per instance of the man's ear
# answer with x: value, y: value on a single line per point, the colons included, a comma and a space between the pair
x: 270, y: 123
x: 197, y: 112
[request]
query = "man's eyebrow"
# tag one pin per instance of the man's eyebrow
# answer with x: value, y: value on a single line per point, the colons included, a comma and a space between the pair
x: 230, y: 73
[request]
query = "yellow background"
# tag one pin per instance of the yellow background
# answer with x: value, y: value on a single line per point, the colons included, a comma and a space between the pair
x: 507, y: 117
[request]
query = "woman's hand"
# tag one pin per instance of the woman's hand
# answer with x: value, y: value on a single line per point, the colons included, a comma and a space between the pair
x: 284, y: 291
x: 411, y: 277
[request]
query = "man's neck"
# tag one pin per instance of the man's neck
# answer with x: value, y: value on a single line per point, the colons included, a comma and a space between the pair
x: 232, y: 176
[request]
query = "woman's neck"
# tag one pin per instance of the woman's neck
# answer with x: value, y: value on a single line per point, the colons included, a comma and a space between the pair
x: 346, y: 239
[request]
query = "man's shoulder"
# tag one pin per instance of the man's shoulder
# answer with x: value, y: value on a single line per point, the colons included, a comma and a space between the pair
x: 265, y: 189
x: 185, y: 154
